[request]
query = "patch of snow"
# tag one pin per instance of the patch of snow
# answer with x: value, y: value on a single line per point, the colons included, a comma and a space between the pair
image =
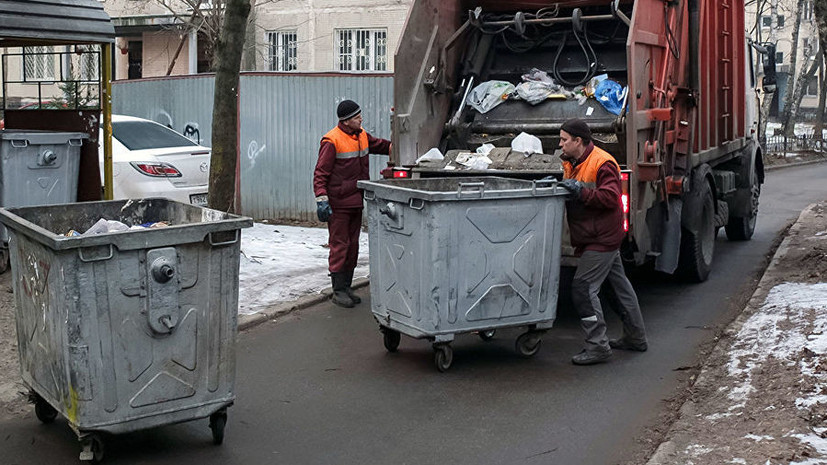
x: 738, y: 460
x: 816, y: 442
x: 758, y: 438
x: 717, y: 416
x: 697, y: 450
x: 282, y: 263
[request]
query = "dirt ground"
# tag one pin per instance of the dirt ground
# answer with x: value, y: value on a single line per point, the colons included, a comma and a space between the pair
x: 767, y: 426
x: 11, y: 401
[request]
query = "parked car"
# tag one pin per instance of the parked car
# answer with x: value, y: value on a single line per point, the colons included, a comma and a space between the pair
x: 152, y: 160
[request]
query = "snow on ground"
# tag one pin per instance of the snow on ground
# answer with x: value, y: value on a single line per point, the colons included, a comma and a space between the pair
x: 282, y: 263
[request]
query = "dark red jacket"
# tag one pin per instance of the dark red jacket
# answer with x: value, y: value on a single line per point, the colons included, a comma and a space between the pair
x: 336, y: 177
x: 596, y: 218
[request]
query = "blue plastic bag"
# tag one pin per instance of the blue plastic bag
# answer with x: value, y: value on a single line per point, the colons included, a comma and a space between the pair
x: 610, y: 94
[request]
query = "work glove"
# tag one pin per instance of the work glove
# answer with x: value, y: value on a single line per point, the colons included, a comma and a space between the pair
x: 573, y: 186
x: 323, y: 210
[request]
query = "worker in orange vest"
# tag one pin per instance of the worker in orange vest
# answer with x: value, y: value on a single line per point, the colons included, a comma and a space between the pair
x: 595, y: 217
x: 343, y: 160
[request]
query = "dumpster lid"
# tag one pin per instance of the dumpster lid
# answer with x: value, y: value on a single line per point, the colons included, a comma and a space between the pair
x: 48, y: 224
x: 41, y: 137
x: 459, y: 188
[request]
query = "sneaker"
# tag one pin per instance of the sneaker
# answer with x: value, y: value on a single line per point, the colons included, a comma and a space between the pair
x: 590, y: 358
x: 341, y: 299
x: 625, y: 344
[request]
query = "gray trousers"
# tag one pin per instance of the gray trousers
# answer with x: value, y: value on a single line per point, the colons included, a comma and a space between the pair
x: 593, y: 269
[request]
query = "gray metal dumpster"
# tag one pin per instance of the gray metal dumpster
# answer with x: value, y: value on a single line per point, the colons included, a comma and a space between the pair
x: 37, y: 168
x: 456, y: 255
x: 126, y: 330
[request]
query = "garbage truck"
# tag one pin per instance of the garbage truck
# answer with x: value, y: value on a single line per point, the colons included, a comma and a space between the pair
x: 668, y: 87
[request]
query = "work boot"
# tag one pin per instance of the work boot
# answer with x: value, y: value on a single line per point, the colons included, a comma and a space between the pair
x: 349, y: 282
x: 591, y: 357
x: 340, y: 296
x: 625, y: 344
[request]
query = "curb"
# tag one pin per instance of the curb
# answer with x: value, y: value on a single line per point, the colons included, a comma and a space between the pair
x: 793, y: 165
x: 284, y: 308
x: 663, y: 454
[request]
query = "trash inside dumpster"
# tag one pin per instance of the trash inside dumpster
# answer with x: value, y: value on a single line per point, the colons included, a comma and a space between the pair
x: 126, y: 330
x: 37, y: 168
x: 458, y: 255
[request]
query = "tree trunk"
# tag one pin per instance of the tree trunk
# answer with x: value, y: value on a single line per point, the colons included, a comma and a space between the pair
x: 789, y: 97
x: 249, y: 58
x: 802, y: 83
x: 820, y: 13
x: 222, y: 194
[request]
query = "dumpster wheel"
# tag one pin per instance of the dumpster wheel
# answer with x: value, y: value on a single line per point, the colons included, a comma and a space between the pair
x: 487, y: 335
x: 443, y: 357
x: 528, y: 344
x: 218, y: 421
x: 43, y: 410
x: 92, y: 448
x: 391, y: 338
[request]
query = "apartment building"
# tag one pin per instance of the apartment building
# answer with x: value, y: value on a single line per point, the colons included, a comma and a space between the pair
x: 160, y: 37
x: 762, y: 28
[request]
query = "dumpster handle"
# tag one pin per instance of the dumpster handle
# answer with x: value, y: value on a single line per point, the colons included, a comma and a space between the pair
x: 19, y: 143
x: 214, y: 244
x: 75, y: 142
x: 416, y: 205
x: 370, y: 195
x: 479, y: 185
x: 540, y: 183
x: 97, y: 259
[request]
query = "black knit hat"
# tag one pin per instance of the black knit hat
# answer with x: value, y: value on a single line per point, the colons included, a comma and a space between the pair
x: 347, y: 109
x: 577, y: 128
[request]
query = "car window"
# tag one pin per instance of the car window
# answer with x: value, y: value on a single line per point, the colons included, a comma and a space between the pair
x: 141, y: 135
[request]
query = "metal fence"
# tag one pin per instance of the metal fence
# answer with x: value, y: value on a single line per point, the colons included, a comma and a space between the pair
x: 282, y: 118
x: 781, y: 144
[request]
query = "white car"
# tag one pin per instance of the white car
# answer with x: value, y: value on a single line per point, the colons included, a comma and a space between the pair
x: 151, y: 160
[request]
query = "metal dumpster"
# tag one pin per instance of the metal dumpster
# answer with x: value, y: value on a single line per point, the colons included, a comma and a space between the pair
x: 126, y: 330
x: 37, y: 168
x: 457, y: 255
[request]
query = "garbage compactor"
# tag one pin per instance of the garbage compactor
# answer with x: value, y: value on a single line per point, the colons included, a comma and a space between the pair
x: 458, y: 255
x: 37, y: 168
x: 122, y: 331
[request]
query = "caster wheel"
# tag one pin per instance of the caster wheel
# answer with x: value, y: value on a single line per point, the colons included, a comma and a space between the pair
x: 392, y: 338
x: 218, y: 421
x: 487, y: 335
x: 92, y: 449
x: 528, y: 344
x: 443, y: 357
x: 44, y: 411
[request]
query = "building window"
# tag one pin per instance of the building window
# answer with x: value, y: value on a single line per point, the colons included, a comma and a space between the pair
x: 779, y: 58
x: 807, y: 14
x: 766, y: 21
x: 87, y: 63
x: 362, y: 49
x: 780, y: 21
x: 283, y: 50
x: 812, y: 87
x: 38, y: 64
x: 809, y: 47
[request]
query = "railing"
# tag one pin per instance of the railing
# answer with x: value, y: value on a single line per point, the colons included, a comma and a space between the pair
x: 779, y: 145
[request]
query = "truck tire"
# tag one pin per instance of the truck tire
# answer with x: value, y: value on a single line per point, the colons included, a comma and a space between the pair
x: 742, y: 228
x: 698, y: 249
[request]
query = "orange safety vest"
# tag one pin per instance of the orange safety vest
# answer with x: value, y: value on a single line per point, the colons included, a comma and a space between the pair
x: 586, y: 172
x: 347, y: 146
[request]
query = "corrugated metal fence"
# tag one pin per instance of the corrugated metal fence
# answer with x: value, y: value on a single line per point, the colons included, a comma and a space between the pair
x: 282, y: 118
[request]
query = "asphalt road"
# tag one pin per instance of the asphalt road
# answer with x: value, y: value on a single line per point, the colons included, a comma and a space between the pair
x: 318, y: 387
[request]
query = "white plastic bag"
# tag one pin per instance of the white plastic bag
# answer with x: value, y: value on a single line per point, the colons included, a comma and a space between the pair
x: 479, y: 163
x: 431, y: 155
x: 485, y: 149
x: 527, y: 144
x: 489, y: 94
x: 105, y: 226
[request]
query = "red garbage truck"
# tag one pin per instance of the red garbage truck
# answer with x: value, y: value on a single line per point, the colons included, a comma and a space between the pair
x: 681, y: 116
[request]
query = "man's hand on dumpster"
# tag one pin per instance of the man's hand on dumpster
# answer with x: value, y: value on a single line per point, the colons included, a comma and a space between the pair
x: 323, y: 210
x: 573, y: 186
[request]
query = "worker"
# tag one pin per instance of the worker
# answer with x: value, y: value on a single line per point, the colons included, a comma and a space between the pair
x: 343, y: 160
x: 595, y: 216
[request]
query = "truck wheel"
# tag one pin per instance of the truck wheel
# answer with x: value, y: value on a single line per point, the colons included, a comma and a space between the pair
x: 742, y: 228
x: 697, y: 249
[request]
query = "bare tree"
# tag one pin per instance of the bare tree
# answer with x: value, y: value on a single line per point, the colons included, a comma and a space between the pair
x: 224, y: 160
x: 789, y: 97
x: 820, y: 13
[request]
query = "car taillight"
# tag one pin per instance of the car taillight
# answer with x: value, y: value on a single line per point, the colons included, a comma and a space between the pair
x: 624, y: 199
x: 400, y: 174
x: 157, y: 170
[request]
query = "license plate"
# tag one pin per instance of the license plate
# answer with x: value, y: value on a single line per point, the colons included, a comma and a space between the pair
x: 199, y: 200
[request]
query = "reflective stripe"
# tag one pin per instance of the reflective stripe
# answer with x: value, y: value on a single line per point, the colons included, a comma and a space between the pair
x: 358, y: 153
x: 589, y: 185
x: 590, y: 318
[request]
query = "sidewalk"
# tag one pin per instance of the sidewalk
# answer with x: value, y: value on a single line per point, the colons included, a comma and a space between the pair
x: 761, y: 397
